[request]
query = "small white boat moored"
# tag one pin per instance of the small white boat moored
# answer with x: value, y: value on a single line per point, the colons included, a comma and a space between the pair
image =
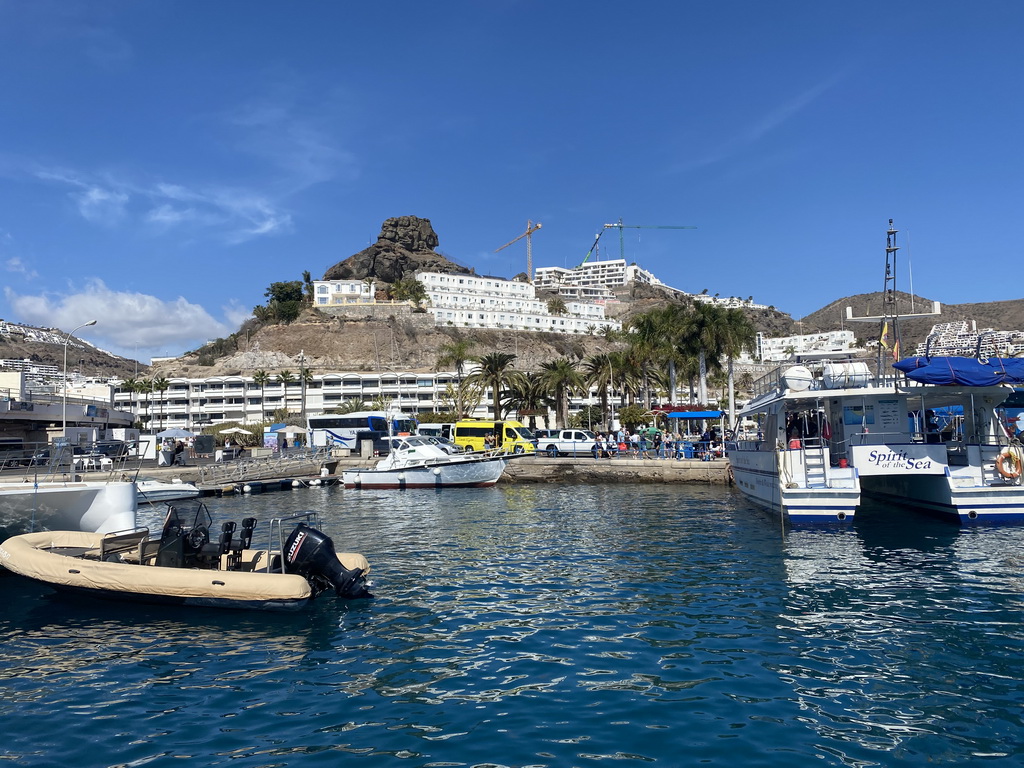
x: 417, y: 462
x: 152, y: 491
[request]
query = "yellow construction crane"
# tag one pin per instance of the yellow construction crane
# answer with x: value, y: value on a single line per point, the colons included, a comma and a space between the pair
x: 620, y: 226
x: 528, y: 234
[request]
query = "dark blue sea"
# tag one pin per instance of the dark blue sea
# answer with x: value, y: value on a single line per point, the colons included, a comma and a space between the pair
x: 550, y: 625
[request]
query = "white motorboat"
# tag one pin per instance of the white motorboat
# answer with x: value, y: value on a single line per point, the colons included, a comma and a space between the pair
x: 183, y: 567
x: 830, y: 431
x: 153, y: 491
x: 32, y: 504
x: 418, y: 462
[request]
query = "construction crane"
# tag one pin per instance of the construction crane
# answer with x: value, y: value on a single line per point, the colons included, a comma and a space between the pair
x: 622, y: 245
x: 528, y: 234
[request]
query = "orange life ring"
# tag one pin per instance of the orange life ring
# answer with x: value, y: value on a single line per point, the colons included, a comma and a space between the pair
x: 1008, y: 464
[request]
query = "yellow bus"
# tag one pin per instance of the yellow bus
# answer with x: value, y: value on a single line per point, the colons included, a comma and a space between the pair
x: 510, y: 436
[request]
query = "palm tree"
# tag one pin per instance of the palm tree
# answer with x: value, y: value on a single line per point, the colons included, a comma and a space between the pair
x: 738, y: 334
x: 261, y: 378
x: 599, y: 374
x: 305, y: 378
x: 704, y: 336
x: 562, y: 379
x: 160, y: 385
x: 307, y: 282
x: 495, y: 372
x: 130, y: 386
x: 529, y: 396
x: 454, y: 354
x: 145, y: 387
x: 369, y: 280
x: 556, y: 306
x: 651, y: 341
x: 285, y: 378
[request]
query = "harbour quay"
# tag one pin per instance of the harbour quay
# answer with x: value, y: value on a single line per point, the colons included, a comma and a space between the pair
x: 618, y: 469
x: 520, y: 469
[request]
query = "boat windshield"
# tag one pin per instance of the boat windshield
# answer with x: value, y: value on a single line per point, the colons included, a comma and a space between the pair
x: 412, y: 441
x: 187, y: 515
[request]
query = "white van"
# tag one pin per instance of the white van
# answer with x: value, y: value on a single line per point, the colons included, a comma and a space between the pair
x: 435, y: 430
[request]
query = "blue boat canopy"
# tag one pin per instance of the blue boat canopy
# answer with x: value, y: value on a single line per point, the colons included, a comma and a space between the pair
x: 963, y: 371
x: 694, y: 414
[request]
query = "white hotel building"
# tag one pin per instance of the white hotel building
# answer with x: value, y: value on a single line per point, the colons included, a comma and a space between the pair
x: 470, y: 301
x: 195, y: 403
x: 780, y: 348
x: 600, y: 277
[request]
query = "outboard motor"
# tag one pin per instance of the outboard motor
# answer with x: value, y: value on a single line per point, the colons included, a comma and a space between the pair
x: 310, y: 553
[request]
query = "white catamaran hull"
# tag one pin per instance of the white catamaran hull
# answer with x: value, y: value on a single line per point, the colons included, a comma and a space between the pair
x: 757, y: 476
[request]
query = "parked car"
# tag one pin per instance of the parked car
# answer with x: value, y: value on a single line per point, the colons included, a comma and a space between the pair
x: 567, y: 441
x: 444, y: 444
x: 43, y: 457
x: 541, y: 434
x: 114, y: 449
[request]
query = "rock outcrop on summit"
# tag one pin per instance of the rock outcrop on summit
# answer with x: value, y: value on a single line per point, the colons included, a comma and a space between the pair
x: 405, y: 245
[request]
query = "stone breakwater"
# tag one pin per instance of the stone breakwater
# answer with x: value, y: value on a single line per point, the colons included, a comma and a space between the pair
x: 543, y: 469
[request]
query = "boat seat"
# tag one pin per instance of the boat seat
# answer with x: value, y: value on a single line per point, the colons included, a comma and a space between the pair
x: 113, y: 545
x: 148, y: 550
x: 233, y: 547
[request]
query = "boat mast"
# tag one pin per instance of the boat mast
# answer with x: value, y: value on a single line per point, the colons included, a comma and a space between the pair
x: 889, y: 328
x: 889, y: 340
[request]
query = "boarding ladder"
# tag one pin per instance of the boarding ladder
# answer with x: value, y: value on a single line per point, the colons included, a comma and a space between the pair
x: 815, y: 471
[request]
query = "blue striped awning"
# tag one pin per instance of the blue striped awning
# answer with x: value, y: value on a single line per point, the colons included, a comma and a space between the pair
x: 695, y: 414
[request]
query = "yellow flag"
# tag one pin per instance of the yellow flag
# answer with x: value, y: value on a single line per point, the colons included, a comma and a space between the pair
x: 884, y: 341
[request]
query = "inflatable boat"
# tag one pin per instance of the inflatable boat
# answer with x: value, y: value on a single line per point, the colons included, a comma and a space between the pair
x: 184, y: 567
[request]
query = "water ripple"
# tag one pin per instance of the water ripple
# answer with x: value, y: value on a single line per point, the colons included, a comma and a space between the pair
x: 552, y: 626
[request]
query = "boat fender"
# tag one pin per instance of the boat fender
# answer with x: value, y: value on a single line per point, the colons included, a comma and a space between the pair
x: 1008, y: 464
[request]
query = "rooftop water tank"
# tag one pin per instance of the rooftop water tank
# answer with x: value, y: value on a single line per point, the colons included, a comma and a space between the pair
x: 846, y: 375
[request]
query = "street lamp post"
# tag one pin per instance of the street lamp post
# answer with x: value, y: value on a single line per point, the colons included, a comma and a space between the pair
x: 64, y: 410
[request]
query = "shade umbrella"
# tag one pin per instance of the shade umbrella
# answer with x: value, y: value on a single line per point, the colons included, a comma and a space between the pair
x: 235, y: 431
x: 175, y: 432
x: 292, y: 430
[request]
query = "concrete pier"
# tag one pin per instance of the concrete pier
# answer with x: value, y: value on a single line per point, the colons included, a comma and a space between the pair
x: 543, y: 469
x: 526, y: 469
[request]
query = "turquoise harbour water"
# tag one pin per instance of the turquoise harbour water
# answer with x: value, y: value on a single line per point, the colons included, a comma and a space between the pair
x: 550, y: 625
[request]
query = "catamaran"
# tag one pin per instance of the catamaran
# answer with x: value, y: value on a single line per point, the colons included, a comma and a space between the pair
x: 925, y: 432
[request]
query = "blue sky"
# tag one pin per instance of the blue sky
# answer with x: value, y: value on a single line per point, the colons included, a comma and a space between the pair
x: 161, y: 163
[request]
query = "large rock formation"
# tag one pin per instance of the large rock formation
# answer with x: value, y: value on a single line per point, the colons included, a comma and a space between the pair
x: 405, y: 245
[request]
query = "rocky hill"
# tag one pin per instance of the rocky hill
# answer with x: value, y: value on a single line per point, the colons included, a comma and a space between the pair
x: 83, y: 357
x: 405, y: 245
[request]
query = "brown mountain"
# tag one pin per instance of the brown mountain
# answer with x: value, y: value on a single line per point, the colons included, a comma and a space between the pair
x: 83, y: 357
x: 1000, y: 315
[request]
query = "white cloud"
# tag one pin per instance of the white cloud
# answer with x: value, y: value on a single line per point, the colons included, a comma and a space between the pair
x: 234, y: 215
x: 298, y: 140
x: 17, y: 266
x: 236, y: 314
x: 101, y: 206
x: 126, y: 321
x: 762, y: 126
